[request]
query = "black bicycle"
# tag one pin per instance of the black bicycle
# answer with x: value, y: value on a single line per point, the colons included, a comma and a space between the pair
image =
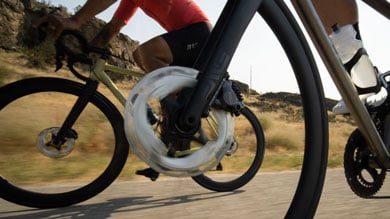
x: 60, y: 138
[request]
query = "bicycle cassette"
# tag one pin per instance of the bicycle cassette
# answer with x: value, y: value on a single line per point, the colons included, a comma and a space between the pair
x: 147, y: 143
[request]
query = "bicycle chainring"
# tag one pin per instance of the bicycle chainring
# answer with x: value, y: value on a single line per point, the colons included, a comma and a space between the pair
x: 364, y: 180
x: 148, y: 145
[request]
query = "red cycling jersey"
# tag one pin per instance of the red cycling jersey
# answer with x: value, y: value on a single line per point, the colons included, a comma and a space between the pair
x: 170, y: 14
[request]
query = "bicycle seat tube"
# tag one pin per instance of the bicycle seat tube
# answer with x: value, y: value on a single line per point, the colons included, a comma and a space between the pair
x: 214, y: 60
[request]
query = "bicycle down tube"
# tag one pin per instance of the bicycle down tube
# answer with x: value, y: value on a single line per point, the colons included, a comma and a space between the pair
x: 341, y: 79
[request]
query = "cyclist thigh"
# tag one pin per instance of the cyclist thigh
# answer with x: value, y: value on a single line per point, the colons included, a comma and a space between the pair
x: 185, y: 44
x: 153, y: 54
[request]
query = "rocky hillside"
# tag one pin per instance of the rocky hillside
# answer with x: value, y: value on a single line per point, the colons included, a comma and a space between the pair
x: 16, y: 32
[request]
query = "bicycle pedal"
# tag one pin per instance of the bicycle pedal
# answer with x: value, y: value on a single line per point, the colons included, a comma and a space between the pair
x: 219, y: 167
x: 149, y: 173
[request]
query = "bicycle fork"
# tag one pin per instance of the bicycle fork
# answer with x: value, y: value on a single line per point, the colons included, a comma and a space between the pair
x: 66, y: 131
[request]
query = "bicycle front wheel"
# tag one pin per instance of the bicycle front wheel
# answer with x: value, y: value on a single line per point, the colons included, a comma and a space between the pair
x: 242, y: 160
x: 36, y: 175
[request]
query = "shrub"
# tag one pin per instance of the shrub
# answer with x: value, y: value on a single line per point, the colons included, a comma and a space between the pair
x: 40, y: 56
x: 285, y: 142
x: 4, y: 74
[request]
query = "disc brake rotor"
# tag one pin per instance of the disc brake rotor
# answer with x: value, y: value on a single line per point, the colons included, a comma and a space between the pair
x: 149, y: 147
x: 50, y: 151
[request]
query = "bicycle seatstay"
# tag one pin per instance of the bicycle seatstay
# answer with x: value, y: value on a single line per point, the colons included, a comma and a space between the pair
x: 214, y: 60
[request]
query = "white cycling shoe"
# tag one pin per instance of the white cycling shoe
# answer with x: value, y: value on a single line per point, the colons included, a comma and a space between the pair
x: 370, y: 99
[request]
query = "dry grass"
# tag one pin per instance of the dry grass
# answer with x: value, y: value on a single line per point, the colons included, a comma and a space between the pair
x: 284, y: 140
x: 338, y: 137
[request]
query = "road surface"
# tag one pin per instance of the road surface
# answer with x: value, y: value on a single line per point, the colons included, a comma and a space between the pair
x: 268, y: 195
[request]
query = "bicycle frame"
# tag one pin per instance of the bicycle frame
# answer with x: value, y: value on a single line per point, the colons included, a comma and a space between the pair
x: 314, y: 27
x: 212, y: 65
x: 98, y: 73
x: 213, y: 62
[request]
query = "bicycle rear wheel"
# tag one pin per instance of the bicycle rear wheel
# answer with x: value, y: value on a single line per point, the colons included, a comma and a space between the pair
x: 242, y: 161
x: 35, y: 175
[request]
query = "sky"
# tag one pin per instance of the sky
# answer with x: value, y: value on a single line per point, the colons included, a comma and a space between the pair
x: 259, y: 59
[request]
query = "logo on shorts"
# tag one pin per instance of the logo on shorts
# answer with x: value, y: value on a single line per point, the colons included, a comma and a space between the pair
x: 192, y: 46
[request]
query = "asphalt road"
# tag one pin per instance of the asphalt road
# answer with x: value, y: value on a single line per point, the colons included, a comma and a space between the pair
x: 268, y: 195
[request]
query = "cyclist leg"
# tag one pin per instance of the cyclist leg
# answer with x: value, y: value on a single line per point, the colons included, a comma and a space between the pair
x: 179, y: 48
x: 185, y: 45
x: 153, y: 54
x: 344, y: 14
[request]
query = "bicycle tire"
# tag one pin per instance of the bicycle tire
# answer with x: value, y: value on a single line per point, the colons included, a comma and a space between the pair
x: 52, y: 196
x: 287, y: 31
x: 224, y: 184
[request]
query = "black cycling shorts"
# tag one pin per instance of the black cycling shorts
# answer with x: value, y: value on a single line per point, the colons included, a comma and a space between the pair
x: 186, y: 43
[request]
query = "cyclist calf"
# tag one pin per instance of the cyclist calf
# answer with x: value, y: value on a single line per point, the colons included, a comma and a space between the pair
x: 340, y: 19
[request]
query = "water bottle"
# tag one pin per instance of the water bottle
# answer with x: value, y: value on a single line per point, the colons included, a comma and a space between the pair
x: 346, y: 44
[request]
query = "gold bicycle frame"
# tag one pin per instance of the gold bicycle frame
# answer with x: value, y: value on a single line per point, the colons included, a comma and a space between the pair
x: 319, y: 37
x: 99, y: 74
